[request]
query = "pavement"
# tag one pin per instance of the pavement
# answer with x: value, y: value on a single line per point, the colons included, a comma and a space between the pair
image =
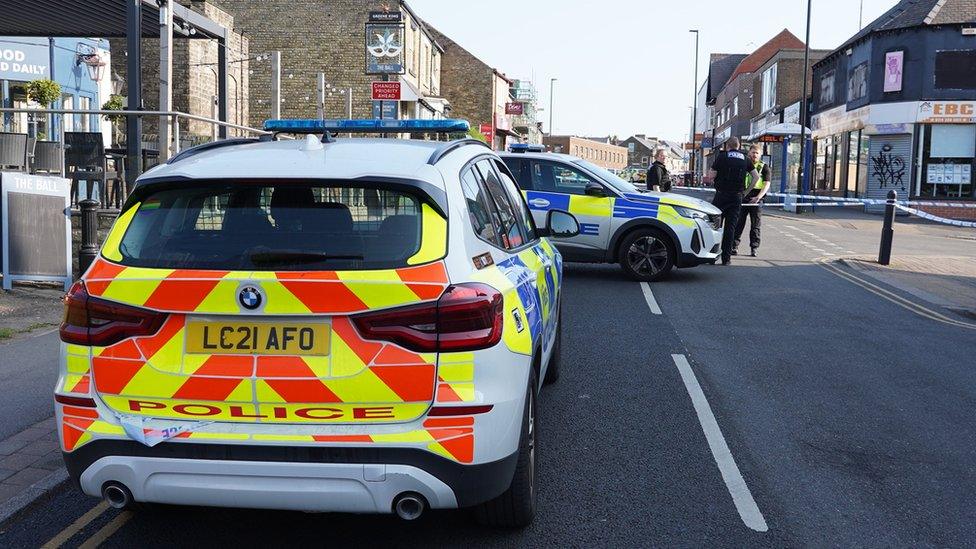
x: 787, y: 400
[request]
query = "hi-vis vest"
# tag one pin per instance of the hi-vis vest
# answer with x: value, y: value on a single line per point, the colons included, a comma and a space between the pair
x: 759, y: 184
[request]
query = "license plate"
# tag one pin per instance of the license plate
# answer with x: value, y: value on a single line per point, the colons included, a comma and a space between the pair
x: 258, y: 338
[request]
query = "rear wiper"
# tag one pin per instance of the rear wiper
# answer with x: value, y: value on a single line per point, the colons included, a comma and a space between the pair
x: 286, y: 258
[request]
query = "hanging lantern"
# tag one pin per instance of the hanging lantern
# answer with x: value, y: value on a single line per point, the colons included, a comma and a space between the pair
x: 95, y: 64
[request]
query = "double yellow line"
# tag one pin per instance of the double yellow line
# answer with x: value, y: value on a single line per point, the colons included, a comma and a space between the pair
x: 98, y: 537
x: 826, y: 263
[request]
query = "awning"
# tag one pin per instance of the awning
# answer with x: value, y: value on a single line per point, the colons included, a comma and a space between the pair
x: 408, y: 92
x: 101, y: 18
x: 510, y: 133
x: 780, y: 130
x: 435, y: 104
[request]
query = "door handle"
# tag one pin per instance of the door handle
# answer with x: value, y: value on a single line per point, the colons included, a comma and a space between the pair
x: 539, y: 202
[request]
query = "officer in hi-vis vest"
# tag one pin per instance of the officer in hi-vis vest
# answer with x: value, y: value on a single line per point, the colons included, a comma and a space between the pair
x: 751, y: 208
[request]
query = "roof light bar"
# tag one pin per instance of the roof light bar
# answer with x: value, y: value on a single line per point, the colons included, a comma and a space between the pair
x: 311, y: 126
x: 526, y: 147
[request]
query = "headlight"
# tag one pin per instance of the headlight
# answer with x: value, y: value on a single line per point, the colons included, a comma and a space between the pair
x: 689, y: 213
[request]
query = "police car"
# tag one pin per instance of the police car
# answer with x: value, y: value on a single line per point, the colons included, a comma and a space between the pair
x: 647, y: 233
x: 318, y: 324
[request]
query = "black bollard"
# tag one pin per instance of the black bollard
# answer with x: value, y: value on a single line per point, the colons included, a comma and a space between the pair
x: 888, y: 230
x: 89, y: 234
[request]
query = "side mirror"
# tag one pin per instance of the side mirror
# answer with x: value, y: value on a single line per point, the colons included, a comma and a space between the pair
x: 595, y: 189
x: 560, y: 224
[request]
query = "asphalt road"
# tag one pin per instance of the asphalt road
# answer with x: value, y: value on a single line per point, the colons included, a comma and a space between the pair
x: 848, y: 417
x: 28, y: 371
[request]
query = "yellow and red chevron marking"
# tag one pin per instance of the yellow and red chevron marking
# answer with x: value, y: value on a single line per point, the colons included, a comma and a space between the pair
x: 450, y: 437
x: 455, y: 376
x: 359, y: 381
x: 77, y: 378
x: 293, y: 293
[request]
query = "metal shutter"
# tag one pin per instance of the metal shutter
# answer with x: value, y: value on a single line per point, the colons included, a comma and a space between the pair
x: 889, y: 167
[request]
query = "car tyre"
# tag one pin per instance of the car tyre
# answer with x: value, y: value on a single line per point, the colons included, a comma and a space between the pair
x: 555, y: 359
x: 647, y: 255
x: 515, y: 508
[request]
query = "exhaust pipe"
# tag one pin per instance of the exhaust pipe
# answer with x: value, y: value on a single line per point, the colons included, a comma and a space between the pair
x: 117, y: 495
x: 409, y: 506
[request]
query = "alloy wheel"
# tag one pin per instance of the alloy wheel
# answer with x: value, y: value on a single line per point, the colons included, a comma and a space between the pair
x: 647, y: 255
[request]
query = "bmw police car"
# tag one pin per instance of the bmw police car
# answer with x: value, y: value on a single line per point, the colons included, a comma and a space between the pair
x: 351, y: 325
x: 648, y: 234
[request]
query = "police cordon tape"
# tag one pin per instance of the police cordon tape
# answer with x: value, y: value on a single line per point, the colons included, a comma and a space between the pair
x: 846, y: 201
x: 930, y: 217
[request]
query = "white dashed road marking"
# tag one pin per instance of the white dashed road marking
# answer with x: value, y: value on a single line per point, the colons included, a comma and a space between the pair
x: 649, y: 296
x: 741, y: 496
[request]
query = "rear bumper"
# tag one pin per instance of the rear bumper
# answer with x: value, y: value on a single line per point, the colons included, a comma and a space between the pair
x: 325, y: 479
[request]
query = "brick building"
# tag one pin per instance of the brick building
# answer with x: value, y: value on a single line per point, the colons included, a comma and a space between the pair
x: 315, y: 37
x: 598, y: 151
x: 477, y: 92
x: 194, y: 76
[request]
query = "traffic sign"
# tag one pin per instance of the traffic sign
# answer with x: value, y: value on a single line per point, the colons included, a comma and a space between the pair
x: 386, y: 91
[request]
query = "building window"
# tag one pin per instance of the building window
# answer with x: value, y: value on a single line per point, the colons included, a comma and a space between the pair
x: 827, y: 87
x: 644, y: 161
x: 630, y: 148
x: 948, y: 161
x: 857, y: 86
x: 769, y: 88
x: 954, y: 70
x: 735, y: 106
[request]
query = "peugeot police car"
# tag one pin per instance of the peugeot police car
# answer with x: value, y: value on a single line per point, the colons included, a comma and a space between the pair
x: 648, y: 234
x: 317, y: 324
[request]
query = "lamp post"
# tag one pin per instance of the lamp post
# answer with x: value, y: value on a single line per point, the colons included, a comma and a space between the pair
x: 694, y: 114
x: 801, y: 174
x: 552, y: 83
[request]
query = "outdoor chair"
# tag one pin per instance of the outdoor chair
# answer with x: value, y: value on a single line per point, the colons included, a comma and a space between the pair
x: 85, y: 160
x: 13, y: 151
x: 47, y: 158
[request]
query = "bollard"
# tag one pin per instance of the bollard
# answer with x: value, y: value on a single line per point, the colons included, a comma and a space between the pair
x: 89, y: 234
x: 888, y: 230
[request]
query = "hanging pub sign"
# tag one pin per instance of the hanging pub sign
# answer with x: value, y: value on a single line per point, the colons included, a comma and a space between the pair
x: 384, y: 46
x: 35, y: 222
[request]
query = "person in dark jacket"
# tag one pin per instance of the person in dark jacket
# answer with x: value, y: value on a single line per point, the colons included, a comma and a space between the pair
x: 658, y: 178
x: 728, y: 174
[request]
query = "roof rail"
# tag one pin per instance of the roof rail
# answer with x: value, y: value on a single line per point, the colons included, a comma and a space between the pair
x: 193, y: 151
x: 450, y: 146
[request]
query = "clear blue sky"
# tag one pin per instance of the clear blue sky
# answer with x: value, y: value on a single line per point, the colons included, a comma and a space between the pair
x: 626, y: 66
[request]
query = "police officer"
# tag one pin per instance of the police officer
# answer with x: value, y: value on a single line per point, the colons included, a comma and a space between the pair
x: 728, y: 173
x: 658, y: 178
x: 755, y: 191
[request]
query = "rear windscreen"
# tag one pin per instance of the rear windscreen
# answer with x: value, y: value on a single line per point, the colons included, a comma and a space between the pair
x: 288, y: 226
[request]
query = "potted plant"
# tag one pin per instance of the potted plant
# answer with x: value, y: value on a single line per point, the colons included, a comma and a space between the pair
x: 115, y: 103
x: 43, y: 92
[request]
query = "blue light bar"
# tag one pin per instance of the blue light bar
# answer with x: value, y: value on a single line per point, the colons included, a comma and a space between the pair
x: 367, y: 126
x: 526, y: 147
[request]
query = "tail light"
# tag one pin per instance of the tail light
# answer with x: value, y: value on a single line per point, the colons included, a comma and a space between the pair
x: 91, y: 321
x: 467, y: 317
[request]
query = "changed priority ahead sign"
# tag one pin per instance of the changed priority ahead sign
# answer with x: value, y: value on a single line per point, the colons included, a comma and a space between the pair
x: 386, y: 91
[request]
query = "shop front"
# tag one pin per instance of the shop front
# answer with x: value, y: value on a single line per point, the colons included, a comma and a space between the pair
x: 24, y: 59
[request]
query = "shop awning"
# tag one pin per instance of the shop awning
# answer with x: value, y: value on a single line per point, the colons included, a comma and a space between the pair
x: 780, y: 130
x: 101, y: 18
x: 408, y: 92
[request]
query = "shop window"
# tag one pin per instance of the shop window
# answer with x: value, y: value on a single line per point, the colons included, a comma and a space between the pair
x: 954, y: 70
x: 68, y: 102
x: 857, y: 86
x: 84, y: 103
x: 948, y: 161
x: 827, y: 87
x: 862, y: 163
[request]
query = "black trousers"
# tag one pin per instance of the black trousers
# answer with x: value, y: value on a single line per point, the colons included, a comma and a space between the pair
x: 754, y: 215
x: 731, y: 205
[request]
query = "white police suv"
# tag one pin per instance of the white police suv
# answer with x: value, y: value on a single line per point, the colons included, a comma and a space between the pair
x: 318, y: 324
x: 647, y: 233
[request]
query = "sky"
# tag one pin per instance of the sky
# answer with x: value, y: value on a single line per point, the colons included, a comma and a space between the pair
x: 625, y: 67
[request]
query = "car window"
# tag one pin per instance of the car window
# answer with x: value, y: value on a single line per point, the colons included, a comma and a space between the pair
x: 609, y: 177
x: 512, y: 230
x: 519, y: 203
x: 271, y: 226
x: 521, y: 169
x: 481, y: 212
x: 559, y: 178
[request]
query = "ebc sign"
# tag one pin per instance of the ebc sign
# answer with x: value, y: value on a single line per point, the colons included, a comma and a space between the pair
x: 24, y: 59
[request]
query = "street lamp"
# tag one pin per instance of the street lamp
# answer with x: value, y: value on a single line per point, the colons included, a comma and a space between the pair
x: 552, y: 83
x: 801, y: 174
x: 694, y: 115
